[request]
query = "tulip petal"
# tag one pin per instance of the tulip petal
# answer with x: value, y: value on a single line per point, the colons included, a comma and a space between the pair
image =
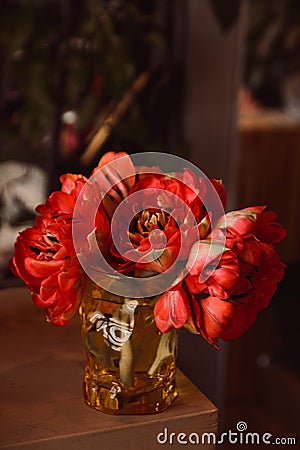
x: 267, y: 229
x: 217, y: 316
x: 58, y: 202
x: 241, y: 221
x: 202, y: 254
x: 72, y: 183
x: 171, y: 310
x: 119, y: 170
x: 41, y: 269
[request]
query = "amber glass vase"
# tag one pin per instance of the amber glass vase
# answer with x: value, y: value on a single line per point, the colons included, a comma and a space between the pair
x: 130, y: 366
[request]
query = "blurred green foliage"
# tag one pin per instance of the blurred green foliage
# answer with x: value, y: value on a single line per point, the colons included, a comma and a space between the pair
x: 79, y: 56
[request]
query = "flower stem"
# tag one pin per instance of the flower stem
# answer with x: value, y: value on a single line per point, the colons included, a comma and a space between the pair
x: 164, y: 350
x: 126, y: 364
x: 126, y: 357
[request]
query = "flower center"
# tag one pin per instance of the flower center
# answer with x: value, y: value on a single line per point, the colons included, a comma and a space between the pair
x: 147, y: 221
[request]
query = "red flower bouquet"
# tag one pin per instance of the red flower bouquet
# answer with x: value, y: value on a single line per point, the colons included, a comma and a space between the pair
x: 228, y: 267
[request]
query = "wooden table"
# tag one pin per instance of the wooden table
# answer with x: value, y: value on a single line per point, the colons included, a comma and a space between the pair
x: 269, y: 171
x: 42, y: 406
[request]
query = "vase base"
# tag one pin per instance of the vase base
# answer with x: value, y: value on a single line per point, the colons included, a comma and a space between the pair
x: 112, y: 401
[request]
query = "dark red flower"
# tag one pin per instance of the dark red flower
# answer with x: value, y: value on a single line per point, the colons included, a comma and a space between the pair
x: 249, y: 234
x: 45, y: 260
x: 229, y: 269
x: 45, y: 257
x: 217, y: 319
x: 175, y: 219
x: 227, y: 304
x: 211, y: 269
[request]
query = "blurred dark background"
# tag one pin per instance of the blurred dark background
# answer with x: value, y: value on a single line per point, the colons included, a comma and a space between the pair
x: 215, y: 81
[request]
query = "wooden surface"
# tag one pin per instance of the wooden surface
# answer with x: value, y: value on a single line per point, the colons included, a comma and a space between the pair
x: 267, y: 120
x: 260, y: 391
x: 42, y: 406
x: 269, y: 172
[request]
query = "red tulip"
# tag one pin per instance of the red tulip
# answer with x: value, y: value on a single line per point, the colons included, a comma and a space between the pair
x: 253, y: 221
x: 45, y: 260
x: 232, y: 269
x: 260, y: 274
x: 163, y: 233
x: 217, y: 319
x: 245, y: 279
x: 45, y: 257
x: 212, y: 269
x: 249, y: 234
x: 172, y: 310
